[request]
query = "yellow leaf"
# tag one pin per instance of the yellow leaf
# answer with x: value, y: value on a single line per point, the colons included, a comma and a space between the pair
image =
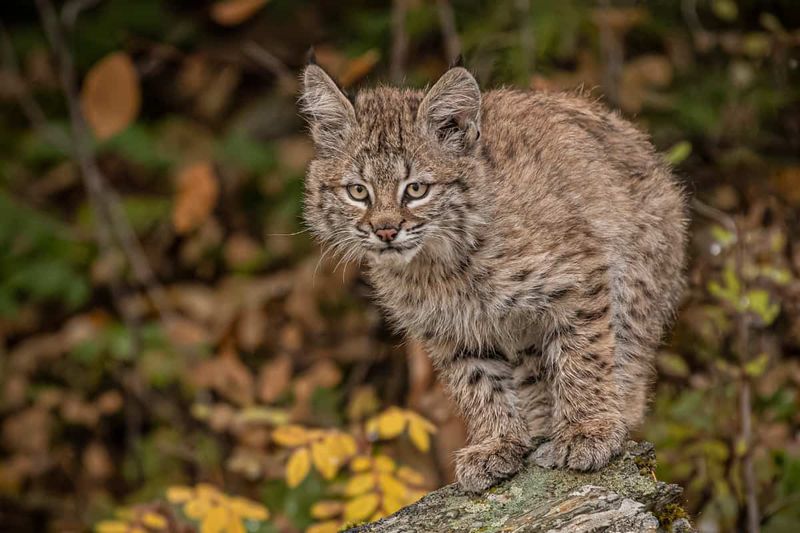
x: 326, y: 509
x: 111, y: 526
x: 110, y: 96
x: 248, y: 509
x: 290, y: 436
x: 377, y: 516
x: 391, y: 487
x: 215, y: 521
x: 179, y: 494
x: 414, y: 495
x: 419, y: 437
x: 196, y: 196
x: 410, y: 476
x: 343, y: 445
x: 361, y: 463
x: 298, y: 466
x: 125, y: 514
x: 207, y: 491
x: 391, y: 423
x: 426, y: 424
x: 324, y: 460
x: 233, y: 12
x: 154, y: 520
x: 360, y: 508
x: 391, y: 504
x: 360, y: 484
x: 136, y: 529
x: 331, y: 526
x: 196, y: 509
x: 372, y: 429
x: 234, y: 525
x: 384, y: 464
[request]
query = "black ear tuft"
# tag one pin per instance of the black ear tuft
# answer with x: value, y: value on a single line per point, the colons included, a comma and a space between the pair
x: 311, y: 57
x: 458, y: 62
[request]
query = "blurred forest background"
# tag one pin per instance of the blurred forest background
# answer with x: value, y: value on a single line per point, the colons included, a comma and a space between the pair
x: 174, y: 354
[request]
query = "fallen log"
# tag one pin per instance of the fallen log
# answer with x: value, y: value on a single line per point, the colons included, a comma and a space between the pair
x: 623, y: 497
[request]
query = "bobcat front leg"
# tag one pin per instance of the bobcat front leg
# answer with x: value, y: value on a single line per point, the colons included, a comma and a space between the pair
x: 587, y: 426
x: 481, y: 384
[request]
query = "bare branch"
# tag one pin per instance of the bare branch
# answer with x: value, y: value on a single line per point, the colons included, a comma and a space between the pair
x: 72, y: 10
x: 110, y: 220
x: 527, y: 42
x: 30, y: 107
x: 269, y: 61
x: 613, y: 57
x: 715, y: 214
x: 397, y: 65
x: 447, y: 23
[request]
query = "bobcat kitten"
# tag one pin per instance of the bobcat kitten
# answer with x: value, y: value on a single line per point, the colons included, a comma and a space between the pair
x: 533, y: 242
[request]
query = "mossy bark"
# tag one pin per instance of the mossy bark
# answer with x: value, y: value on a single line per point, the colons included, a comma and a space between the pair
x: 625, y: 496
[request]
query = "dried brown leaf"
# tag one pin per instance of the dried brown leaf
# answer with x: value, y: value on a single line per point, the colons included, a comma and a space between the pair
x: 234, y: 12
x: 111, y: 97
x: 196, y: 196
x: 274, y: 378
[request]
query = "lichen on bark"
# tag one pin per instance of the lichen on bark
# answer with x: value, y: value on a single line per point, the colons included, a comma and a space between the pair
x: 624, y: 496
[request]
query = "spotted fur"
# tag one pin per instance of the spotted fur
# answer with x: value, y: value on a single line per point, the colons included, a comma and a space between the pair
x: 540, y: 269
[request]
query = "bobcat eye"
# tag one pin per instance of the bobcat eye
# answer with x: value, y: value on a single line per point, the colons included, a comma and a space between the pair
x: 358, y: 192
x: 416, y: 190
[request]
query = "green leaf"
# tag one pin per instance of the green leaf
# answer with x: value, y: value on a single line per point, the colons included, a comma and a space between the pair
x: 678, y: 153
x: 758, y: 301
x: 756, y: 367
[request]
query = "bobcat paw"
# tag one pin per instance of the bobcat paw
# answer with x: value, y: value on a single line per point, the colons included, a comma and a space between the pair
x: 582, y: 448
x: 481, y: 466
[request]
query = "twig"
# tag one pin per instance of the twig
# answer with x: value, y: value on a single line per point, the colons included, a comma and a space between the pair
x: 527, y: 40
x: 397, y: 63
x: 745, y: 390
x: 716, y: 215
x: 72, y: 10
x: 447, y: 23
x: 689, y: 12
x: 105, y: 203
x: 30, y: 107
x: 613, y: 53
x: 745, y: 401
x: 269, y: 61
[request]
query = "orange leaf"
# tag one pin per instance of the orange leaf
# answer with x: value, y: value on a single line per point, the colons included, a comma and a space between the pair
x: 233, y: 12
x: 196, y: 196
x: 111, y: 97
x: 359, y: 67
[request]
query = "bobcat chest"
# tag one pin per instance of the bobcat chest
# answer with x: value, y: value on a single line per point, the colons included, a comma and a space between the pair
x: 452, y: 311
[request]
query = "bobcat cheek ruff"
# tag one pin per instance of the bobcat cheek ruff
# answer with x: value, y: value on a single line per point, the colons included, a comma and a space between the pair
x: 534, y: 242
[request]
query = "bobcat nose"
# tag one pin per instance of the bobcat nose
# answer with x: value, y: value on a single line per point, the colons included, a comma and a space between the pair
x: 386, y: 234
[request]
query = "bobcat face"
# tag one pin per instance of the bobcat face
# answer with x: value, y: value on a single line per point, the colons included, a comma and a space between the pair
x: 389, y: 176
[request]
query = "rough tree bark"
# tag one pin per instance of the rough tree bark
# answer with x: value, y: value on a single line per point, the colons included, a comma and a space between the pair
x: 623, y: 497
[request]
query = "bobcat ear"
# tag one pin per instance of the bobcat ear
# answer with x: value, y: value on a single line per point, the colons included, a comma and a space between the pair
x: 451, y: 110
x: 329, y: 112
